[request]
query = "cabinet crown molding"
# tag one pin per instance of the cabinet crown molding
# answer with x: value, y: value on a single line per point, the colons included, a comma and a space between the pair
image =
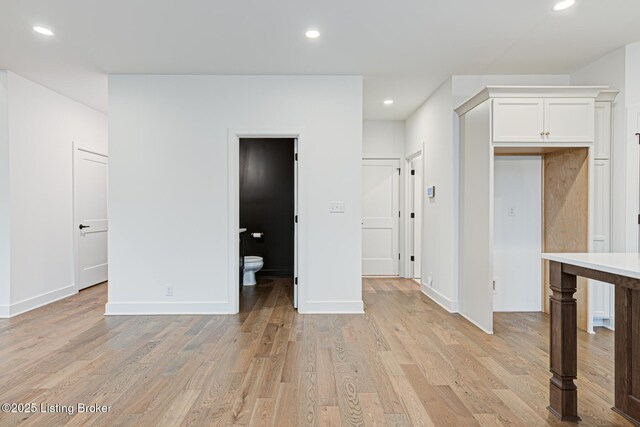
x: 489, y: 92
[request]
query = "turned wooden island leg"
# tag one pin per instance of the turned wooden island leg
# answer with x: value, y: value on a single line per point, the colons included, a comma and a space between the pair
x: 563, y: 358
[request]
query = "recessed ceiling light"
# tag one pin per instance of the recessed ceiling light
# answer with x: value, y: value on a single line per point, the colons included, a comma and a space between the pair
x: 44, y: 31
x: 388, y: 101
x: 312, y: 34
x: 564, y: 4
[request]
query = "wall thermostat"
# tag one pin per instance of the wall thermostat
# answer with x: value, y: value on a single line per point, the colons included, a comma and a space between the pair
x: 431, y: 191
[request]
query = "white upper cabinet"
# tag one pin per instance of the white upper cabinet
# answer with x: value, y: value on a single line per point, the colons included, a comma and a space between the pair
x: 518, y: 120
x: 536, y: 120
x: 569, y: 119
x: 602, y: 146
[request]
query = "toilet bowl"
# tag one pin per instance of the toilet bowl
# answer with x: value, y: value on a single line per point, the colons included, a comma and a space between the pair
x: 252, y: 264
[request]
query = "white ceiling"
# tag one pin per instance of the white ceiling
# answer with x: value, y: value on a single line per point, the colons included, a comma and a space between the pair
x: 404, y: 48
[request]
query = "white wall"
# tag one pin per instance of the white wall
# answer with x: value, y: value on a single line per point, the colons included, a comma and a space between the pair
x: 632, y: 101
x: 168, y: 186
x: 632, y: 81
x: 383, y: 139
x: 42, y: 127
x: 517, y: 233
x: 5, y: 278
x: 431, y: 127
x: 610, y: 71
x: 476, y: 214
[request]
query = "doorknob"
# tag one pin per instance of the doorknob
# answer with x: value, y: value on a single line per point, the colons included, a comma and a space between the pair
x: 84, y: 226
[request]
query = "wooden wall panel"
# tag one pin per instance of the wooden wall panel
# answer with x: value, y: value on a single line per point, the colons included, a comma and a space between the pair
x: 565, y: 214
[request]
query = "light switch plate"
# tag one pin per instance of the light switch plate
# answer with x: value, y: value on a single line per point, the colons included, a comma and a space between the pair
x: 336, y: 207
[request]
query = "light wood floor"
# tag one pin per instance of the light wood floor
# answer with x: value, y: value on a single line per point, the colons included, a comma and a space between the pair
x: 406, y: 362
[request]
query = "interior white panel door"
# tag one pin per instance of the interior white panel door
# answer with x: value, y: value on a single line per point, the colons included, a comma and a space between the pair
x: 569, y: 120
x: 517, y: 231
x: 380, y: 217
x: 91, y: 223
x: 633, y: 175
x: 416, y: 166
x: 600, y: 297
x: 518, y: 119
x: 296, y: 229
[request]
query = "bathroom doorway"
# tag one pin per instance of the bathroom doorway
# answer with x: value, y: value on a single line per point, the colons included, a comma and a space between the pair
x: 268, y: 212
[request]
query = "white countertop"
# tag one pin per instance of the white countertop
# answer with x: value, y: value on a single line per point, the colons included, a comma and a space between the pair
x: 242, y: 230
x: 624, y: 264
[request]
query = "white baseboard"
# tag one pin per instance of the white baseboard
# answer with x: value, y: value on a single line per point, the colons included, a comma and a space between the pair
x: 166, y: 308
x: 332, y: 307
x: 36, y: 302
x: 444, y: 302
x: 604, y: 323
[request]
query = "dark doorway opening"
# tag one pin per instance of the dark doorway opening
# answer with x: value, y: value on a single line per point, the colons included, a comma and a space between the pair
x: 267, y: 206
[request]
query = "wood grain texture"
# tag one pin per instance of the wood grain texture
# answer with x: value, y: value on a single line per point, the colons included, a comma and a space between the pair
x: 404, y: 362
x: 563, y: 396
x: 565, y: 214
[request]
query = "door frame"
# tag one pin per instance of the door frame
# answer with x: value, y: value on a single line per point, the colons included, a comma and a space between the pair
x: 75, y: 147
x: 233, y: 217
x: 632, y: 179
x: 408, y: 225
x: 401, y: 219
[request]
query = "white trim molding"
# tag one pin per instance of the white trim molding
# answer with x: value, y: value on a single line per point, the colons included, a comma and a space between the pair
x: 533, y: 92
x: 37, y: 301
x: 333, y: 307
x: 233, y: 199
x: 444, y: 302
x: 167, y: 308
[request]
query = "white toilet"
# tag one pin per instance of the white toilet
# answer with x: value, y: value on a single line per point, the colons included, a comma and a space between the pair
x: 252, y: 264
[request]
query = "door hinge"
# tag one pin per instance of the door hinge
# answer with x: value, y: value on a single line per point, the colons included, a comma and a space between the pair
x: 399, y: 173
x: 638, y: 135
x: 412, y: 258
x: 295, y: 219
x: 413, y: 171
x: 413, y: 215
x: 295, y: 280
x: 398, y: 257
x: 398, y: 214
x: 296, y: 157
x: 638, y: 218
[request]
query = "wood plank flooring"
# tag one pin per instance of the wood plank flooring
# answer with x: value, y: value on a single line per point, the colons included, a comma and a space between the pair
x: 405, y: 362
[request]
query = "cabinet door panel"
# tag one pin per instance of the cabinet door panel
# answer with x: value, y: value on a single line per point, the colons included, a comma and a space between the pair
x: 602, y: 130
x: 600, y: 293
x: 569, y: 119
x: 518, y: 119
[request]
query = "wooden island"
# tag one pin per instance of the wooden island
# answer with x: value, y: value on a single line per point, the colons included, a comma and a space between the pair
x: 623, y: 271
